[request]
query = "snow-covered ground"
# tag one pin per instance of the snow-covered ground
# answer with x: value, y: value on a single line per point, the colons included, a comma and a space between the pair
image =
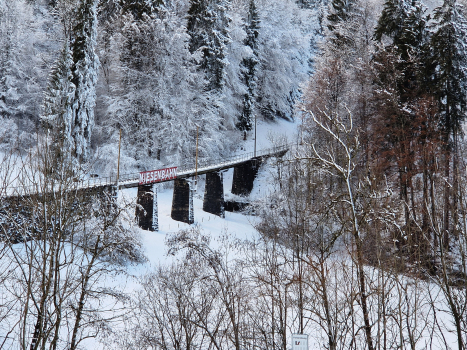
x: 241, y: 226
x: 238, y: 225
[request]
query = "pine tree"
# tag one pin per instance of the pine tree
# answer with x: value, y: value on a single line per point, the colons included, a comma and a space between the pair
x: 57, y: 108
x: 449, y: 58
x: 406, y: 27
x: 159, y: 89
x: 414, y: 35
x: 85, y: 71
x: 449, y: 55
x: 249, y: 64
x: 207, y: 26
x: 340, y: 14
x: 138, y: 7
x: 391, y: 20
x: 399, y: 88
x: 252, y: 28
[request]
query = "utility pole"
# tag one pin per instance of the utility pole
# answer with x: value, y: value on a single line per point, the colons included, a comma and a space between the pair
x: 118, y: 160
x: 196, y: 166
x: 255, y: 137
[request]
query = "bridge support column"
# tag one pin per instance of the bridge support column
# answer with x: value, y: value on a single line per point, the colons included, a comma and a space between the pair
x: 244, y: 176
x: 182, y: 202
x: 146, y: 208
x: 214, y: 194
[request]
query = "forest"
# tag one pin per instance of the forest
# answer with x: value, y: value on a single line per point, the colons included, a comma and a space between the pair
x: 361, y: 244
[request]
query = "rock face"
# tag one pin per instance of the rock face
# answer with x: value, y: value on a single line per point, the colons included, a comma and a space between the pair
x: 182, y: 202
x: 214, y: 194
x: 244, y: 176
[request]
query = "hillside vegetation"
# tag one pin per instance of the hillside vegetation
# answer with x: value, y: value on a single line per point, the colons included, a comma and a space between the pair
x: 361, y: 242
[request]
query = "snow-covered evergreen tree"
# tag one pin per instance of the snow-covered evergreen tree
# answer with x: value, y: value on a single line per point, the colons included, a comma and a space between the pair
x: 449, y: 56
x: 391, y: 20
x: 449, y: 61
x: 230, y: 102
x: 208, y: 28
x: 57, y: 108
x: 249, y: 64
x: 138, y: 8
x: 85, y: 74
x: 340, y: 18
x: 283, y: 54
x: 402, y: 30
x: 160, y: 97
x: 21, y: 63
x: 405, y: 25
x: 414, y: 33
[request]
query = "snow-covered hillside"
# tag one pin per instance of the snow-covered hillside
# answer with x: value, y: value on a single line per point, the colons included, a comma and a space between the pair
x: 357, y: 236
x: 237, y: 224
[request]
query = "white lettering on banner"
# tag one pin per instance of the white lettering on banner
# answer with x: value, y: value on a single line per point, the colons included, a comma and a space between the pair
x: 148, y: 177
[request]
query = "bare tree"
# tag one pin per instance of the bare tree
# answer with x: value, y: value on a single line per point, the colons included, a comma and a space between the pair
x: 59, y: 241
x: 225, y: 279
x: 271, y: 280
x: 338, y: 158
x: 450, y: 267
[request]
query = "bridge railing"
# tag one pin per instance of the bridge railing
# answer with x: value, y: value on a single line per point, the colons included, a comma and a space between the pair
x: 191, y: 167
x: 213, y: 163
x: 181, y: 170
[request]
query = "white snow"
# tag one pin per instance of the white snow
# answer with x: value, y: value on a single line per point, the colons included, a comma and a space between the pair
x: 236, y: 224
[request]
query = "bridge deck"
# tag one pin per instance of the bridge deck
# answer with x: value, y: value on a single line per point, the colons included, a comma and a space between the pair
x: 203, y: 169
x: 132, y: 180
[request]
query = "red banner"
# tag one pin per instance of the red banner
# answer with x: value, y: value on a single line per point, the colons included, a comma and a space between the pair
x: 149, y: 177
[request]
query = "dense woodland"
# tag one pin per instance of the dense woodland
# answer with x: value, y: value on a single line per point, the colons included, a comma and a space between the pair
x: 363, y: 243
x: 84, y: 70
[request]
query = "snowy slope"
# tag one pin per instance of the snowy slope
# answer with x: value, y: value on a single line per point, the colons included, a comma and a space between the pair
x: 236, y: 224
x: 242, y: 227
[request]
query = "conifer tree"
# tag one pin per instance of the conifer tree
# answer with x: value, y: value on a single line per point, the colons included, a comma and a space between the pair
x: 159, y: 89
x: 449, y: 59
x: 85, y: 71
x: 207, y: 26
x: 138, y: 7
x: 449, y: 55
x: 391, y: 21
x: 414, y: 35
x: 341, y: 12
x: 57, y: 108
x: 249, y: 64
x: 406, y: 27
x: 402, y: 33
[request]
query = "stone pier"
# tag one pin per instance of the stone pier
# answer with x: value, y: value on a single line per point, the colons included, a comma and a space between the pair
x: 244, y: 176
x: 182, y: 202
x: 214, y: 194
x: 146, y: 208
